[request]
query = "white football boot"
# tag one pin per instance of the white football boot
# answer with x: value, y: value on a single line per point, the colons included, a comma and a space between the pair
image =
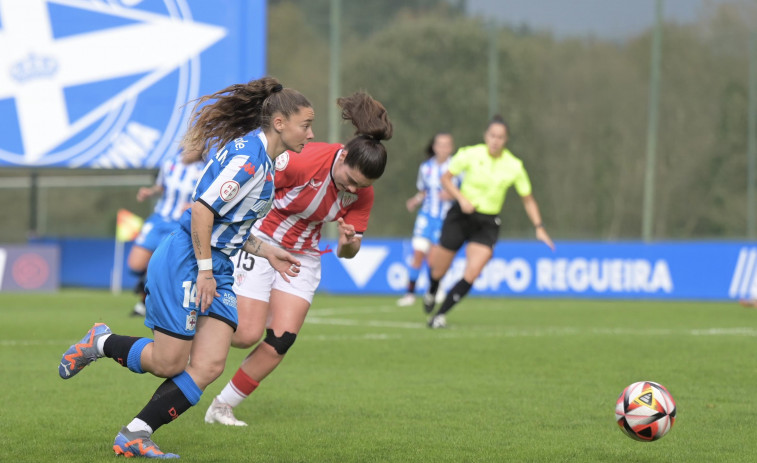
x: 219, y: 412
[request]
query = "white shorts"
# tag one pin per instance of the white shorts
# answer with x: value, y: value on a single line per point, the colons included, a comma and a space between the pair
x: 255, y: 278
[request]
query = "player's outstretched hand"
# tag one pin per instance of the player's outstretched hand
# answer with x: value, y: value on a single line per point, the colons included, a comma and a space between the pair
x: 412, y: 203
x: 543, y: 236
x: 346, y: 231
x: 144, y: 193
x: 284, y: 263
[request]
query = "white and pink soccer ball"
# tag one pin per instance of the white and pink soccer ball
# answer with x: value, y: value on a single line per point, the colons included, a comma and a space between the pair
x: 645, y: 411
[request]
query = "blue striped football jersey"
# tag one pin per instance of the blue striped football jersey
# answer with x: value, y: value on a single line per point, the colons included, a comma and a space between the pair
x: 237, y: 185
x: 430, y: 182
x: 178, y: 182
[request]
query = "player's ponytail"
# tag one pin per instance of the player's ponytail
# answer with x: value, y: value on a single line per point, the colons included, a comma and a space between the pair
x: 238, y: 110
x: 372, y: 125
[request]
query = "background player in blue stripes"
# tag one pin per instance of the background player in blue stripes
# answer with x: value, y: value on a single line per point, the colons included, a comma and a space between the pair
x: 191, y: 306
x: 434, y: 202
x: 175, y: 183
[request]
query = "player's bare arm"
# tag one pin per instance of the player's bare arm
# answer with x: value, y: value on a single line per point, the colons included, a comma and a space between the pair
x: 281, y: 260
x: 532, y: 210
x: 451, y: 189
x: 349, y: 241
x: 202, y: 226
x: 253, y: 245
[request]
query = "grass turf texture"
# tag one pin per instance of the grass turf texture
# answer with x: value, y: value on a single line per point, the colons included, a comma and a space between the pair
x: 366, y: 381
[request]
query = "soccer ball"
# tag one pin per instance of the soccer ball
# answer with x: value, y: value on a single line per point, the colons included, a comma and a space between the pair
x: 645, y: 411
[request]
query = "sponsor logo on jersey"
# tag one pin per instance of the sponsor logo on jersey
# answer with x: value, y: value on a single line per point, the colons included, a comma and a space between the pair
x: 313, y: 183
x: 239, y: 143
x: 282, y: 160
x: 229, y: 300
x: 96, y: 83
x: 229, y: 190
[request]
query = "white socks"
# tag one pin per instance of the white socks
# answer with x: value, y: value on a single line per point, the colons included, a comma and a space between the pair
x: 230, y: 395
x: 137, y: 425
x: 101, y: 343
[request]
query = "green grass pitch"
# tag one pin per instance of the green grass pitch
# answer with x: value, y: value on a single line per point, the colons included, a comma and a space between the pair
x: 518, y: 380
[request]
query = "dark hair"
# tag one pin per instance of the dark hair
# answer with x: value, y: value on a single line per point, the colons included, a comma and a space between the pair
x: 238, y: 110
x: 430, y: 147
x: 497, y: 119
x: 365, y: 151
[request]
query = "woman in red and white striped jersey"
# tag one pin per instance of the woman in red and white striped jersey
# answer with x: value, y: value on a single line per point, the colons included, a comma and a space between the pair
x: 326, y: 182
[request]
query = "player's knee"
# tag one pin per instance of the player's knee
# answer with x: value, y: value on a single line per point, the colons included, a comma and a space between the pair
x: 280, y: 343
x: 164, y: 364
x: 245, y: 338
x: 167, y: 369
x: 204, y: 373
x: 212, y: 372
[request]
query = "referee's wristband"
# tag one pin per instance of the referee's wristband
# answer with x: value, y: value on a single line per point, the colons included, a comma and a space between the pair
x: 205, y: 264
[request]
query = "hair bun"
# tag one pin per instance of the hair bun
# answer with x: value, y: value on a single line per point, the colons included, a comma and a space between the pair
x: 277, y: 88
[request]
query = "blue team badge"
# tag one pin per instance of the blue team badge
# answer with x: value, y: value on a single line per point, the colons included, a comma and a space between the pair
x: 105, y: 83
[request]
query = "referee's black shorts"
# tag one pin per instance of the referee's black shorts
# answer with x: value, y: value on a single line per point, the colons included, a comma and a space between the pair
x: 460, y: 227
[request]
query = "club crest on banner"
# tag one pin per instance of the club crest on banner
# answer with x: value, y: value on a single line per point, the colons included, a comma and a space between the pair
x: 96, y: 83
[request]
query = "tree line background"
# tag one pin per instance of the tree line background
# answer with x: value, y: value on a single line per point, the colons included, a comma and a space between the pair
x: 577, y: 110
x: 576, y: 106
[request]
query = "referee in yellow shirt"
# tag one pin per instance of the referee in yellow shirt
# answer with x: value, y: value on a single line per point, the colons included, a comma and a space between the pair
x: 488, y: 170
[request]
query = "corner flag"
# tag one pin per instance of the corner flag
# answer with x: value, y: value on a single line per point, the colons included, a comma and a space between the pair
x: 128, y: 225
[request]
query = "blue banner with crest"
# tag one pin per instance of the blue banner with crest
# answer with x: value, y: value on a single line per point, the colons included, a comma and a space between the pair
x: 110, y: 83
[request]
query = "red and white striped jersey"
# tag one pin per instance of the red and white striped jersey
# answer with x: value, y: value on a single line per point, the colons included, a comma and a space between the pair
x: 306, y: 197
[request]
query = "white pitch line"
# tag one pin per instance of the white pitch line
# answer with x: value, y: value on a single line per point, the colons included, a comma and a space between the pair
x: 34, y: 342
x: 372, y: 323
x: 352, y: 310
x: 457, y: 333
x: 543, y: 331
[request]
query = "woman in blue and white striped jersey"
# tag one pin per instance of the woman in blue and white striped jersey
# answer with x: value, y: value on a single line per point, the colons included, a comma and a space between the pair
x: 191, y: 306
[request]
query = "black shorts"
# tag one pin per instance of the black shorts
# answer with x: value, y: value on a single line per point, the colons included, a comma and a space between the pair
x: 477, y: 228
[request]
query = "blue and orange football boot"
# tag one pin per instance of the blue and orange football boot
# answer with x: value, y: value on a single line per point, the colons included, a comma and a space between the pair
x: 83, y: 352
x: 138, y: 444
